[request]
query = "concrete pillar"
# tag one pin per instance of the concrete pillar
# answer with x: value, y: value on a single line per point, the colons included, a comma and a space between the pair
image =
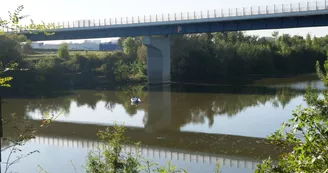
x: 158, y: 59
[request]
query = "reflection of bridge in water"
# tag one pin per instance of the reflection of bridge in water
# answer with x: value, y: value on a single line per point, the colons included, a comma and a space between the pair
x: 248, y: 148
x: 161, y: 137
x: 155, y: 152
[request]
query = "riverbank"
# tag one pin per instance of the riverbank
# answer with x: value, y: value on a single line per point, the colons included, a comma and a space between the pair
x: 232, y: 58
x: 262, y: 82
x: 24, y: 86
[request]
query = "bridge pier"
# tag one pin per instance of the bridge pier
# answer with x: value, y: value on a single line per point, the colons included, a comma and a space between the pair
x: 158, y: 59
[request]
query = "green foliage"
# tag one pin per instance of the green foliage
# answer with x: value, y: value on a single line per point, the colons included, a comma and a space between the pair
x: 111, y: 159
x: 221, y: 57
x: 49, y: 65
x: 10, y: 56
x: 130, y: 46
x: 120, y: 41
x: 63, y: 51
x: 27, y: 48
x: 12, y: 24
x: 24, y: 131
x: 169, y: 169
x: 306, y: 133
x: 229, y: 57
x: 142, y: 53
x: 3, y: 81
x: 10, y: 50
x: 78, y: 63
x: 121, y: 70
x: 217, y: 168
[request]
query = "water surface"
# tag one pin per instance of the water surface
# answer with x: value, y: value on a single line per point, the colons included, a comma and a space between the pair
x: 193, y: 126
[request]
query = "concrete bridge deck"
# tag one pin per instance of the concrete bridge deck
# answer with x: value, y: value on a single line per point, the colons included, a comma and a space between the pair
x: 301, y: 14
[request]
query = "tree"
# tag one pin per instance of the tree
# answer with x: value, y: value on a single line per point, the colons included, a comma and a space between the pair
x: 120, y: 41
x: 130, y: 46
x: 307, y: 135
x: 27, y: 48
x: 142, y: 53
x: 308, y: 41
x: 275, y: 34
x: 10, y: 52
x: 63, y: 51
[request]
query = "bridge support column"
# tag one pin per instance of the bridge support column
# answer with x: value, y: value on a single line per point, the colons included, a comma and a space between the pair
x: 158, y: 59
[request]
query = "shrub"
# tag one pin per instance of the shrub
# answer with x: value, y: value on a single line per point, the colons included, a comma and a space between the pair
x: 49, y: 65
x: 63, y: 51
x: 307, y: 134
x: 27, y: 48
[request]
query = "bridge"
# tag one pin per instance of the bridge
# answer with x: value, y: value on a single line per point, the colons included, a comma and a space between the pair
x: 302, y: 14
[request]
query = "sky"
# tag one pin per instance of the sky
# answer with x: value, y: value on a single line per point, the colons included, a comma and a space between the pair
x: 70, y: 10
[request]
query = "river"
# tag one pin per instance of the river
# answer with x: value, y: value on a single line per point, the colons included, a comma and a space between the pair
x: 194, y: 126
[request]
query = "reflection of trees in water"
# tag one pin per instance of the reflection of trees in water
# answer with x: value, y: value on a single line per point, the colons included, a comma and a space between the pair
x: 112, y: 98
x: 88, y: 98
x: 185, y: 107
x: 195, y: 108
x: 43, y: 105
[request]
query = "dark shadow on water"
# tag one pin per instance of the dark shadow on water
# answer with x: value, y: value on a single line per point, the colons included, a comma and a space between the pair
x: 228, y: 89
x: 7, y: 93
x: 52, y: 91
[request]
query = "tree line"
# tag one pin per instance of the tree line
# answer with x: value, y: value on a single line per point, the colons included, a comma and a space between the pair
x: 228, y: 57
x: 232, y: 57
x: 235, y: 56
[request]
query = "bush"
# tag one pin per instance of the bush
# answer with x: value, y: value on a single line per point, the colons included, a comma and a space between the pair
x: 63, y: 51
x: 49, y: 65
x: 307, y: 135
x: 111, y: 157
x: 10, y: 50
x: 76, y: 63
x: 121, y: 70
x: 27, y: 48
x: 142, y: 53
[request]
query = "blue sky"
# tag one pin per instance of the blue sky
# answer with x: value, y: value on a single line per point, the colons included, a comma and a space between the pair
x: 70, y: 10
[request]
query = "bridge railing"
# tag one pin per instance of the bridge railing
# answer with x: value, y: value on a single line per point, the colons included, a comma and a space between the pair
x: 209, y: 14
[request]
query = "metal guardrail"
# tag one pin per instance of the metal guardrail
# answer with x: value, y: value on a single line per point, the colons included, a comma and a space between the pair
x: 259, y: 10
x: 209, y: 14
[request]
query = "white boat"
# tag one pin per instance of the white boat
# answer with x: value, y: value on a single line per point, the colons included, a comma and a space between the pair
x: 135, y: 100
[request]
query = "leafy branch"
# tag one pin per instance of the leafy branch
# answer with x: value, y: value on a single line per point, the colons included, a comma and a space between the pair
x: 24, y: 131
x: 12, y: 25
